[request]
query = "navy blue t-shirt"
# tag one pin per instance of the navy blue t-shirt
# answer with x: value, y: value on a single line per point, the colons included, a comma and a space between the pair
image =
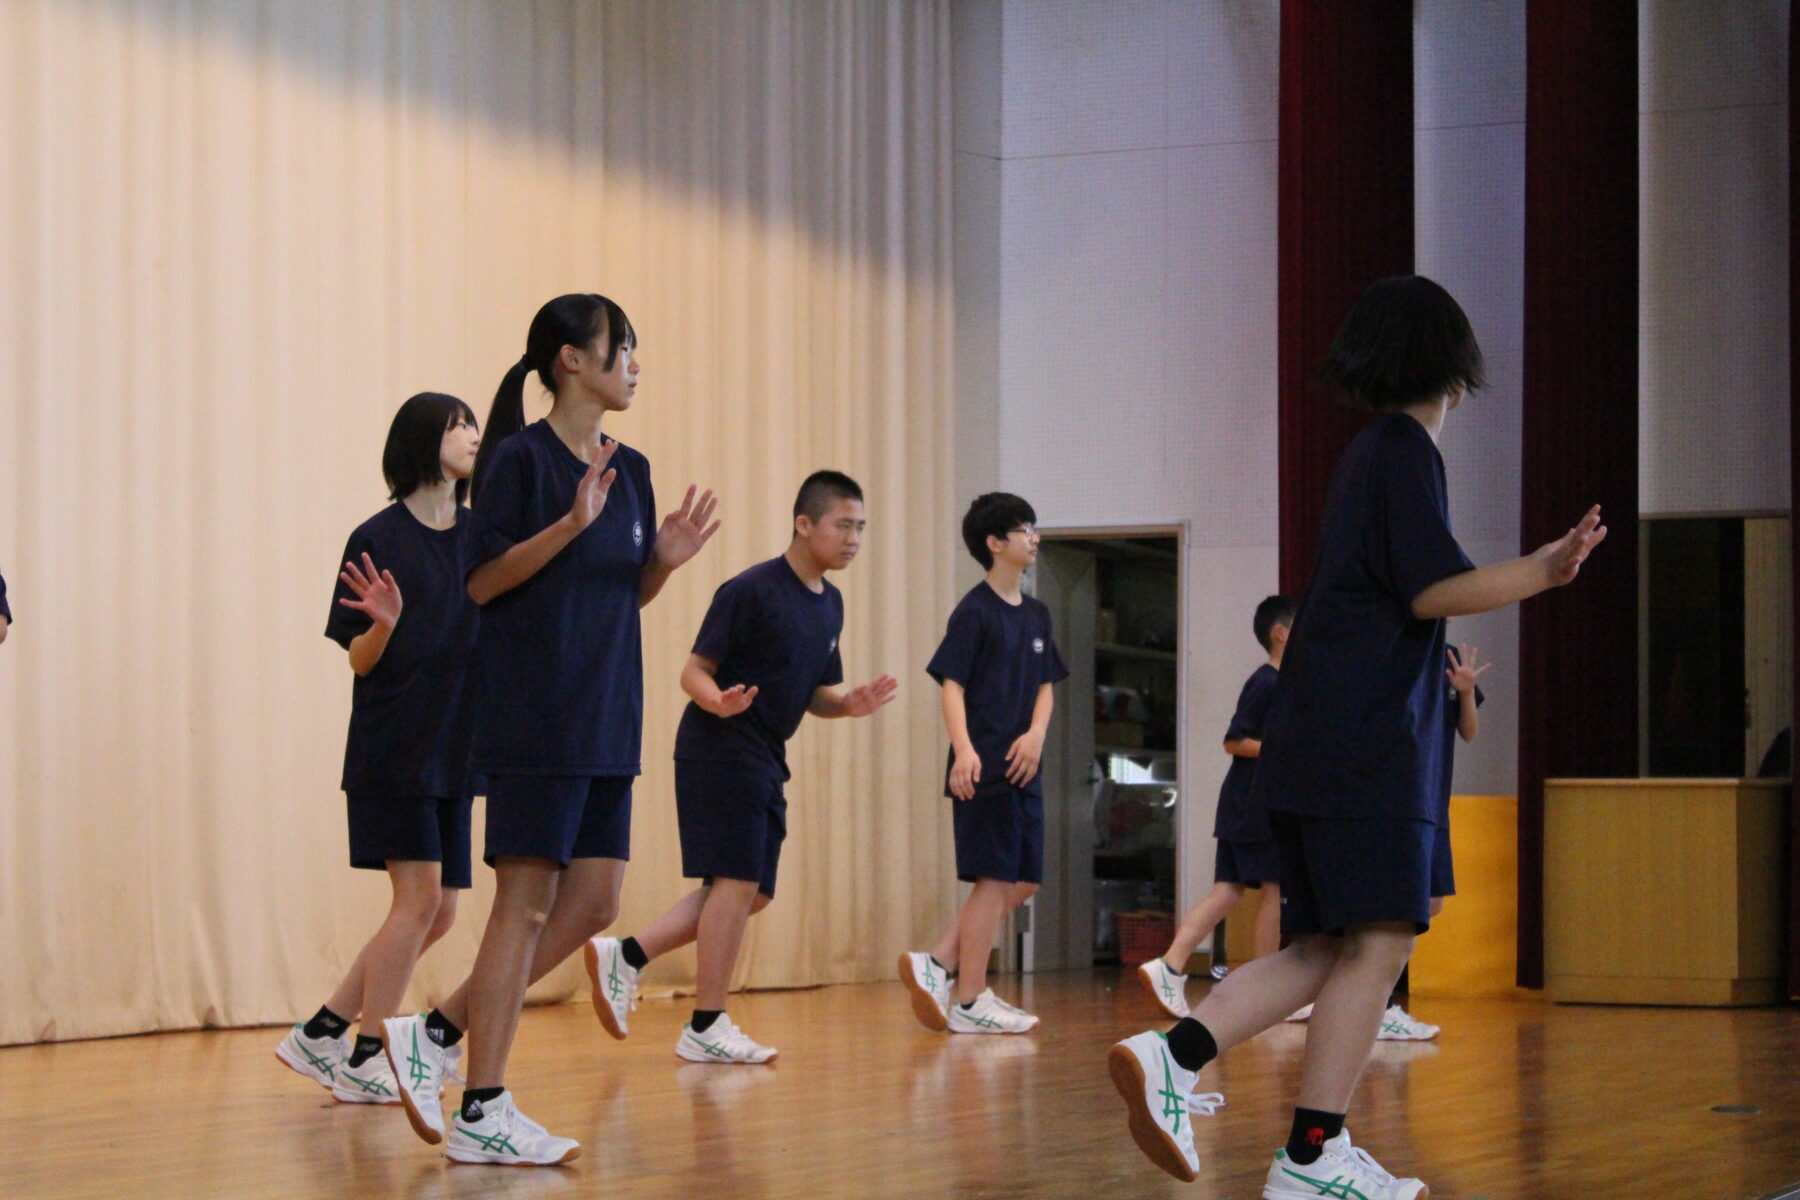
x: 1452, y: 718
x: 1356, y: 724
x: 4, y: 610
x: 560, y: 657
x: 765, y: 629
x: 1001, y: 654
x: 409, y: 717
x: 1240, y: 818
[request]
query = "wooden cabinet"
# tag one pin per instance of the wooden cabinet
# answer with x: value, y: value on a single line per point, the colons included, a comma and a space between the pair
x: 1663, y: 891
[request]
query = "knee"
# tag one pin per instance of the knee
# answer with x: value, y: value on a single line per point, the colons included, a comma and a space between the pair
x: 598, y: 913
x: 1384, y: 950
x: 445, y: 917
x: 761, y: 902
x: 1023, y: 892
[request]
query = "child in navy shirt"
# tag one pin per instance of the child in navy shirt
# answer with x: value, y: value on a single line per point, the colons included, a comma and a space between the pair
x: 1353, y: 765
x: 401, y: 611
x: 994, y: 668
x: 1246, y: 853
x: 765, y: 656
x: 569, y: 550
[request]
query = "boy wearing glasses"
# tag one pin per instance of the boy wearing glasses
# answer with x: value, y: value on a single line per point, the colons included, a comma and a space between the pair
x: 995, y: 668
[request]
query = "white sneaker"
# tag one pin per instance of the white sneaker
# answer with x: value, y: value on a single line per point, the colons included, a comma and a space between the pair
x: 990, y: 1014
x: 419, y: 1066
x: 1168, y: 989
x: 1397, y: 1025
x: 371, y: 1083
x: 614, y: 982
x: 1300, y: 1014
x: 1160, y: 1102
x: 1343, y: 1170
x: 506, y: 1137
x: 930, y: 988
x: 722, y: 1042
x: 316, y: 1058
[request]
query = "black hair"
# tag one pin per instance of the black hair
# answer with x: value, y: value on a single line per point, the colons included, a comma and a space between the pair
x: 413, y: 458
x: 1273, y: 611
x: 1406, y: 339
x: 994, y: 514
x: 573, y: 320
x: 821, y: 491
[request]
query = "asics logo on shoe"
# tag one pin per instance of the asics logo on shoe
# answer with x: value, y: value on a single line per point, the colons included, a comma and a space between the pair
x: 712, y: 1048
x: 1392, y: 1027
x: 417, y: 1069
x: 1174, y: 1103
x: 1337, y: 1185
x: 498, y: 1143
x: 981, y: 1021
x: 1168, y: 990
x: 318, y: 1063
x: 930, y: 976
x: 373, y: 1087
x: 614, y: 984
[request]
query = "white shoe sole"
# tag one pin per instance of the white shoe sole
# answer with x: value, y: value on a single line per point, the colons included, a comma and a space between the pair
x: 924, y: 1004
x: 414, y: 1117
x: 1128, y: 1077
x: 603, y: 1008
x: 483, y: 1158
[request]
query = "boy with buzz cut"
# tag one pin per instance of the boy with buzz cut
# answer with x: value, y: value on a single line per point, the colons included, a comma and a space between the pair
x: 994, y: 669
x: 1246, y: 853
x: 766, y: 655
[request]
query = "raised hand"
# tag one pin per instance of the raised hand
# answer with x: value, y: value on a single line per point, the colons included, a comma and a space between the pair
x: 590, y: 493
x: 376, y: 592
x: 1463, y: 672
x: 732, y: 701
x: 684, y: 531
x: 861, y: 701
x: 1023, y: 757
x: 1562, y: 558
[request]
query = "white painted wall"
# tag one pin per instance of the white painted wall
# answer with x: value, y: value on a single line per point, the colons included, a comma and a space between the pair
x: 1713, y: 360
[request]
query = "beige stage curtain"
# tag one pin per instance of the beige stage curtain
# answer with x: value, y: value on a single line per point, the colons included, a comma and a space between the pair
x: 233, y: 237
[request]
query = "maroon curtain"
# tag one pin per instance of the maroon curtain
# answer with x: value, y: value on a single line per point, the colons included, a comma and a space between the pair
x: 1793, y: 959
x: 1346, y: 220
x: 1577, y: 714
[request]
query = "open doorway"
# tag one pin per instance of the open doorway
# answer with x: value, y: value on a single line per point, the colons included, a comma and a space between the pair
x: 1113, y: 819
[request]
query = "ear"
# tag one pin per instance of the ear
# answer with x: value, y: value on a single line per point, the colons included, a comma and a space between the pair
x: 570, y: 358
x: 996, y: 545
x: 803, y: 525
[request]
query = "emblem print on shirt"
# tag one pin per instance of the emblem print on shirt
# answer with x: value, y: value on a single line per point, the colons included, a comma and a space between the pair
x: 833, y: 648
x: 1037, y: 645
x: 637, y: 532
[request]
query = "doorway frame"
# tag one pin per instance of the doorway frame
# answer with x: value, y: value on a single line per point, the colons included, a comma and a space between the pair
x: 1022, y: 935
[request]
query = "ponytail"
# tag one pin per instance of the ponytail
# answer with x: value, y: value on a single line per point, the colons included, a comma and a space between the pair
x: 572, y: 320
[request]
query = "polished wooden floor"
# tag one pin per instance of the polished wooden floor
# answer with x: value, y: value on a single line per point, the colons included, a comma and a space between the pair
x: 1517, y: 1099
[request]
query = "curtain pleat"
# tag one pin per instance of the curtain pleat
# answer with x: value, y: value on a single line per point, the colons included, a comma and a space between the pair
x: 237, y: 236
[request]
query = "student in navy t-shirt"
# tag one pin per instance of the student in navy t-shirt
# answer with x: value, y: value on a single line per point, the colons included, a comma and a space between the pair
x: 1353, y: 758
x: 765, y: 656
x: 994, y: 670
x: 404, y: 615
x: 569, y: 548
x: 1246, y: 852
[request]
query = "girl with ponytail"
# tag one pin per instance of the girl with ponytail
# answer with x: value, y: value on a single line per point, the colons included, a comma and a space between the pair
x: 569, y: 550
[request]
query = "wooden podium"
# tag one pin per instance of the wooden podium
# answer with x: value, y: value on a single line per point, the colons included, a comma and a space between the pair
x: 1663, y: 891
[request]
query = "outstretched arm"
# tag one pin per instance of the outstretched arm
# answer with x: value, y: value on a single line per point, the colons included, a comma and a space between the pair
x: 682, y: 534
x: 857, y: 702
x: 378, y: 597
x: 697, y: 680
x: 500, y: 575
x: 1487, y: 588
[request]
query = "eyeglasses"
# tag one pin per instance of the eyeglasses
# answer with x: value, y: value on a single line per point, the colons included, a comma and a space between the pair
x: 1029, y: 531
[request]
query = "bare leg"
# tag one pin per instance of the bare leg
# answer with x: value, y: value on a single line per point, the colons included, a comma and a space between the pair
x: 681, y: 924
x: 445, y: 918
x: 587, y: 901
x: 1268, y: 922
x: 1348, y: 1012
x: 721, y: 933
x: 347, y: 1001
x: 980, y: 919
x: 394, y: 950
x: 1263, y: 991
x: 1200, y: 921
x: 526, y: 890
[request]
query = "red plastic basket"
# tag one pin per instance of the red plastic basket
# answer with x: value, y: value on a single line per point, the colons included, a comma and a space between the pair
x: 1143, y: 935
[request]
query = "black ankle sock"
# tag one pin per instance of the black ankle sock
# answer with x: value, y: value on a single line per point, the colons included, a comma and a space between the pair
x: 633, y: 954
x: 440, y: 1030
x: 474, y: 1098
x: 704, y: 1018
x: 325, y: 1024
x: 1191, y: 1044
x: 1312, y: 1129
x: 366, y: 1048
